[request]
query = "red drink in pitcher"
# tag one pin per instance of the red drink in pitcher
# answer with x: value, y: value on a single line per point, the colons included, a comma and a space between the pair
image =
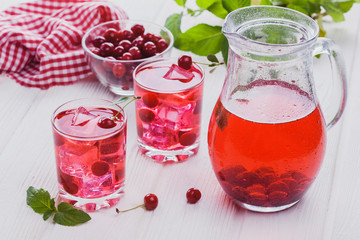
x: 90, y: 153
x: 168, y: 113
x: 267, y: 147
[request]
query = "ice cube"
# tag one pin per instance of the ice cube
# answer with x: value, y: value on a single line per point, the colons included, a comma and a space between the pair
x: 77, y: 159
x: 96, y: 186
x: 82, y: 117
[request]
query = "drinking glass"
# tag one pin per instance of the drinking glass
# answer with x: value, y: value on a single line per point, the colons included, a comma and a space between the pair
x: 90, y: 151
x: 168, y: 113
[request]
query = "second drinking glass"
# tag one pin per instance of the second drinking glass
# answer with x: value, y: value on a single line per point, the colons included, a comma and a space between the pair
x: 168, y: 113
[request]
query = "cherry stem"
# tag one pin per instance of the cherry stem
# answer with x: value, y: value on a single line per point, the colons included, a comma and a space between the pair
x: 213, y: 64
x: 132, y: 99
x: 127, y: 210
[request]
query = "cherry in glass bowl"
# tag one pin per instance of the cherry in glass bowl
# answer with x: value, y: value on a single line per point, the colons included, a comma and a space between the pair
x: 113, y: 50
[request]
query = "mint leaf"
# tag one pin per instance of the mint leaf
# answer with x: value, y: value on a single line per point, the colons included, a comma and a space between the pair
x: 48, y: 214
x: 39, y: 200
x: 180, y: 2
x: 231, y: 5
x: 67, y: 215
x: 201, y: 39
x: 173, y: 23
x: 214, y: 6
x: 336, y: 13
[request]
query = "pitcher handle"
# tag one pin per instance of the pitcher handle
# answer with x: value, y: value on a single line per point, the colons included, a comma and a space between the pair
x: 327, y: 46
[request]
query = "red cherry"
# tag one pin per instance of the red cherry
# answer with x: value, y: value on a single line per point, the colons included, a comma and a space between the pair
x: 149, y: 37
x: 119, y: 51
x: 98, y: 40
x: 150, y: 100
x: 135, y: 52
x: 95, y: 50
x: 149, y: 49
x: 146, y: 115
x: 127, y: 56
x: 187, y: 139
x: 119, y: 70
x: 185, y: 62
x: 106, y: 122
x: 161, y: 45
x: 106, y: 49
x: 111, y: 35
x: 100, y: 168
x: 108, y: 65
x: 126, y: 44
x: 138, y: 29
x: 193, y: 195
x: 128, y: 35
x: 138, y: 42
x: 150, y: 201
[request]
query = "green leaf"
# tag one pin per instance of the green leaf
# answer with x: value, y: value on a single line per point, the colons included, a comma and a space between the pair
x: 265, y: 2
x: 201, y: 39
x: 345, y: 6
x: 297, y: 8
x: 336, y: 13
x: 39, y: 200
x: 225, y: 50
x: 180, y: 2
x: 231, y: 5
x: 214, y: 6
x: 48, y: 214
x: 173, y: 23
x: 67, y: 215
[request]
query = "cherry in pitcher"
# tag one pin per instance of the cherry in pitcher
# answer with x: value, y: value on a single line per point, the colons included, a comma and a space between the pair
x: 267, y: 133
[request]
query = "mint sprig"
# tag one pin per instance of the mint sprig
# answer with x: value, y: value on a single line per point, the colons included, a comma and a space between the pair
x: 204, y: 39
x: 65, y: 214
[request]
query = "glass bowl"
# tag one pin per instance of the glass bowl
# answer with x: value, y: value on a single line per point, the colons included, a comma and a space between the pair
x: 115, y: 71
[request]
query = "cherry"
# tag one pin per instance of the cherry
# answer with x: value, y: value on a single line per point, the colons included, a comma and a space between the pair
x: 187, y: 139
x: 149, y: 49
x: 126, y: 44
x: 138, y: 42
x: 98, y: 40
x: 161, y: 45
x: 95, y: 50
x: 127, y: 56
x: 106, y: 122
x: 106, y: 49
x: 146, y: 115
x: 119, y: 70
x: 128, y: 35
x: 185, y: 62
x: 149, y: 37
x: 119, y: 51
x: 99, y: 168
x: 193, y: 195
x: 135, y: 52
x: 138, y: 29
x: 150, y: 203
x: 111, y: 35
x: 150, y: 100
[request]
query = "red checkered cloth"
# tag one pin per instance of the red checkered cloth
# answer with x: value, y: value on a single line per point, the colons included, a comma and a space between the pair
x: 40, y: 41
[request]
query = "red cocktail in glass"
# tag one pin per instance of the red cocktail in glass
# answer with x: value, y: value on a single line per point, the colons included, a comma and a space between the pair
x: 168, y: 114
x: 90, y: 150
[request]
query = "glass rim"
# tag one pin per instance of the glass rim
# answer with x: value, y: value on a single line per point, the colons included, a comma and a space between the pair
x: 120, y: 128
x: 134, y: 21
x: 171, y: 60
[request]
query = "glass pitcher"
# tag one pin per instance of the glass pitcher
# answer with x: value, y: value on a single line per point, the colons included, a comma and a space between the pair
x: 267, y: 133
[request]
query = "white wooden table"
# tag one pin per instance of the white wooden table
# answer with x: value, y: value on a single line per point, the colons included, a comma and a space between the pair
x: 329, y: 210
